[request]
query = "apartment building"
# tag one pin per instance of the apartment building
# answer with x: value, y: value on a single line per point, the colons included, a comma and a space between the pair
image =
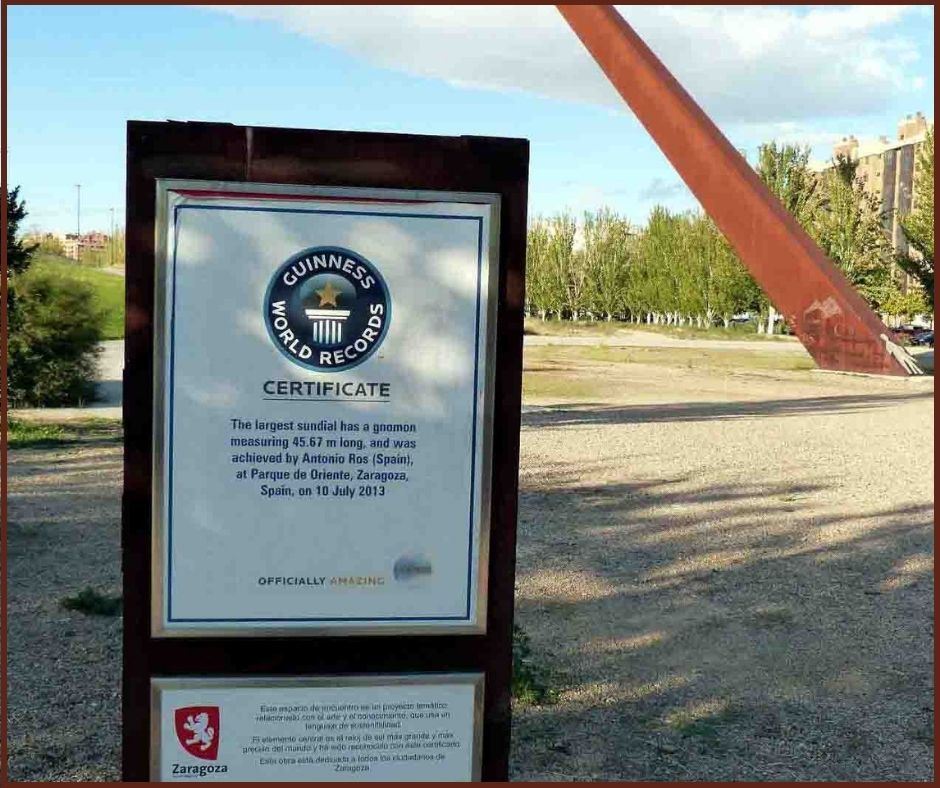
x: 77, y: 246
x: 888, y: 169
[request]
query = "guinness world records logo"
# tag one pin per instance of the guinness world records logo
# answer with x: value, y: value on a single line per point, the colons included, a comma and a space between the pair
x: 327, y: 308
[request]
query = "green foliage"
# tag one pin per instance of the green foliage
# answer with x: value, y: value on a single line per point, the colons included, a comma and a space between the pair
x: 25, y: 434
x: 609, y: 252
x: 785, y: 170
x: 660, y: 255
x: 848, y: 227
x: 909, y: 304
x: 52, y: 351
x: 529, y: 682
x: 33, y: 434
x: 93, y: 603
x: 679, y: 270
x: 731, y: 289
x: 107, y: 289
x: 537, y: 287
x: 49, y: 244
x: 54, y: 328
x: 560, y: 261
x: 918, y: 224
x: 18, y: 253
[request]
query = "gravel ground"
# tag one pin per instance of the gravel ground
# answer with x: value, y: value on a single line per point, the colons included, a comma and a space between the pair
x: 727, y: 574
x: 64, y: 667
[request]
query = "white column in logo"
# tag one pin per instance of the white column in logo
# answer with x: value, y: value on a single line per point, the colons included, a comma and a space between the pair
x: 327, y: 324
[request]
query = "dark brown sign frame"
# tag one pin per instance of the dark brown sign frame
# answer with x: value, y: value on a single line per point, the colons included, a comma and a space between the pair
x: 224, y: 152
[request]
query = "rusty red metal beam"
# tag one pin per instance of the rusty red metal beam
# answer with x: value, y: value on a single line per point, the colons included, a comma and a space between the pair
x: 831, y: 319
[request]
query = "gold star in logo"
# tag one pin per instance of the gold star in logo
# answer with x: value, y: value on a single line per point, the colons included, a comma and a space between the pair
x: 328, y: 295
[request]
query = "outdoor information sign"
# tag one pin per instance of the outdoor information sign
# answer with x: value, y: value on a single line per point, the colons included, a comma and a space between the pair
x: 322, y: 395
x: 322, y: 399
x: 375, y: 729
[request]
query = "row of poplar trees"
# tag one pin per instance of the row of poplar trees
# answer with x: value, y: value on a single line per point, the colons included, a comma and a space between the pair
x: 680, y: 270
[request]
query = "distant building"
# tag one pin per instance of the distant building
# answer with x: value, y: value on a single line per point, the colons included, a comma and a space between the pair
x: 51, y: 240
x: 77, y: 246
x: 888, y: 169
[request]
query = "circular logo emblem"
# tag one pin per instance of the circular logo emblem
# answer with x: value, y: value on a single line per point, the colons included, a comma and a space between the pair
x: 327, y: 309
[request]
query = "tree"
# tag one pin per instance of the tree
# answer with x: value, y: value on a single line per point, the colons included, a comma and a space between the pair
x: 578, y: 284
x: 906, y: 305
x: 695, y: 270
x: 657, y: 277
x: 918, y: 224
x: 49, y: 244
x: 559, y: 256
x: 111, y: 254
x: 607, y: 256
x: 53, y: 328
x: 53, y: 351
x: 785, y: 170
x: 19, y: 254
x: 850, y: 230
x: 730, y: 288
x: 536, y: 275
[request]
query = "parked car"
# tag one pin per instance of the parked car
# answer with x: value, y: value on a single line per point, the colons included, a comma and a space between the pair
x: 904, y: 334
x: 923, y: 337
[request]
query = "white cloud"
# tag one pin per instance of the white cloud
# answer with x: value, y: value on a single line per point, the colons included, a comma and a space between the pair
x: 742, y: 63
x: 786, y: 132
x: 660, y: 189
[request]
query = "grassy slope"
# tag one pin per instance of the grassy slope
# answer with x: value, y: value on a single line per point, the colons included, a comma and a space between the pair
x: 108, y: 288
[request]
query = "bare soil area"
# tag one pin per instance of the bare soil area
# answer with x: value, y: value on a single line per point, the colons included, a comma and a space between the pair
x: 726, y: 571
x: 730, y: 571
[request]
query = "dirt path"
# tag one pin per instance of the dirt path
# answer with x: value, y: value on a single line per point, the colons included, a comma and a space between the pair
x: 729, y: 573
x: 627, y: 338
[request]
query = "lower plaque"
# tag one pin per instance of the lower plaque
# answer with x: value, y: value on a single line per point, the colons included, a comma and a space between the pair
x: 414, y: 728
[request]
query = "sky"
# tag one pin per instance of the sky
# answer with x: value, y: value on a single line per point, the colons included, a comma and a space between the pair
x: 806, y: 74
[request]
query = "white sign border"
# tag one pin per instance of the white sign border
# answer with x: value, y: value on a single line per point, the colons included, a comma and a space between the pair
x: 165, y: 187
x: 160, y: 683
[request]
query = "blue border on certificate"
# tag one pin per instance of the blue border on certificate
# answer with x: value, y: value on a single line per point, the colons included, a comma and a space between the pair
x: 473, y: 437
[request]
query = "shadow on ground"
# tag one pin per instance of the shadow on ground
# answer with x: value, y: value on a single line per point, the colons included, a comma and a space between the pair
x: 64, y: 667
x: 602, y: 413
x: 729, y: 632
x: 768, y: 628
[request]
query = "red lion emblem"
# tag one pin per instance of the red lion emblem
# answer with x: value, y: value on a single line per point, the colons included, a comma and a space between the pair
x: 197, y: 728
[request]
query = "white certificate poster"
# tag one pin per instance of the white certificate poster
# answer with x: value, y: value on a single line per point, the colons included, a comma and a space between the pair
x: 323, y: 386
x: 362, y: 729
